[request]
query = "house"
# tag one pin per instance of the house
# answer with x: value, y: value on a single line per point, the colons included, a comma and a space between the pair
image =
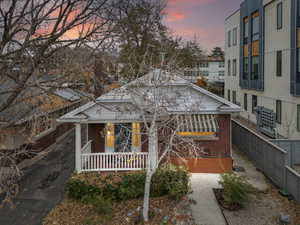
x: 262, y: 65
x: 30, y: 122
x: 210, y: 67
x: 116, y: 121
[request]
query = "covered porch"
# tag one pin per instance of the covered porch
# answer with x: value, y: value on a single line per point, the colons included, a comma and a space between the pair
x: 111, y: 147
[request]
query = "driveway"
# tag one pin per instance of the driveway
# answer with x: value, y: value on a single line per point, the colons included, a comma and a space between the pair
x: 42, y: 186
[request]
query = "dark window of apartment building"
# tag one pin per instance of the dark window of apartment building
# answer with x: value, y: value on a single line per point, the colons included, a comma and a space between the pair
x: 221, y: 73
x: 245, y: 68
x: 255, y: 68
x: 246, y: 102
x: 298, y: 118
x: 234, y: 97
x: 204, y: 64
x: 279, y: 63
x: 246, y: 30
x: 255, y: 26
x: 228, y: 68
x: 234, y: 36
x: 279, y: 15
x: 221, y: 64
x: 228, y: 95
x: 229, y: 38
x: 205, y: 73
x: 254, y: 103
x: 278, y: 111
x: 234, y: 67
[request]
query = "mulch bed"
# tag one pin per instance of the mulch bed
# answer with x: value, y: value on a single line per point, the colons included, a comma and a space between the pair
x: 263, y: 209
x: 162, y: 211
x: 220, y: 199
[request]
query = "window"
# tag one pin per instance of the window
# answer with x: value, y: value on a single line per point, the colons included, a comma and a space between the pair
x: 245, y: 101
x: 255, y: 26
x: 278, y: 111
x: 204, y: 64
x: 221, y: 64
x: 298, y: 55
x: 298, y: 118
x: 234, y: 67
x: 234, y: 97
x: 229, y: 38
x: 221, y: 73
x: 279, y: 16
x: 279, y: 63
x: 254, y: 103
x: 246, y: 30
x: 110, y: 135
x: 245, y: 68
x: 228, y: 68
x: 234, y: 38
x: 228, y: 95
x: 136, y: 135
x: 255, y: 67
x: 205, y: 73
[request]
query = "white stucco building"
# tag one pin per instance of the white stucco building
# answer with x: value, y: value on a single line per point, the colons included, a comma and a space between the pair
x: 212, y: 68
x: 262, y: 63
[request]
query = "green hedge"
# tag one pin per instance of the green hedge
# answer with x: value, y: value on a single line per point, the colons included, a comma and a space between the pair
x: 167, y: 181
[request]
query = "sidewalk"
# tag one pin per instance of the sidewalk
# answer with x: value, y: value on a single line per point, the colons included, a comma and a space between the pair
x: 206, y: 211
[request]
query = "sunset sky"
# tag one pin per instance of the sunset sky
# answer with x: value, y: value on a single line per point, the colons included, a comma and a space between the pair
x: 201, y: 18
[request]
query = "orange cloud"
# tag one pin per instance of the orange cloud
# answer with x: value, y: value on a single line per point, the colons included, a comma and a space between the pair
x: 175, y: 16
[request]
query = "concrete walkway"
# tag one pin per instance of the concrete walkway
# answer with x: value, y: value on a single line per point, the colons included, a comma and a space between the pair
x: 206, y: 211
x: 256, y: 178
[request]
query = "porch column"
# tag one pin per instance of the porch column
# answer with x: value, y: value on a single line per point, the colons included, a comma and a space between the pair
x: 153, y: 147
x: 78, y: 147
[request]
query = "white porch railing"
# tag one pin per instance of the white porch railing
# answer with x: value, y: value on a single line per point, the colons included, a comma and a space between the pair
x: 123, y: 161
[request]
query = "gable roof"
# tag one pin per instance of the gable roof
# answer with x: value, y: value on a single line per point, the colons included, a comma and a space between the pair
x: 186, y: 99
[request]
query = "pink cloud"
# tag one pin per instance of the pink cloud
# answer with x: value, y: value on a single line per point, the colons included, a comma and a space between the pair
x: 175, y: 2
x: 175, y: 16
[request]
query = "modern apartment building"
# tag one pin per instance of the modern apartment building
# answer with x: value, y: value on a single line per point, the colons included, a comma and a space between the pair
x: 210, y: 67
x: 262, y: 64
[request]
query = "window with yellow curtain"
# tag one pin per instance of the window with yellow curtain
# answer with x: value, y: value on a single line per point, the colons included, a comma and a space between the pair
x: 136, y: 134
x: 110, y: 135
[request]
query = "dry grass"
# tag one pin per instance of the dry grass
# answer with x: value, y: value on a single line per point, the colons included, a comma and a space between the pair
x: 71, y: 212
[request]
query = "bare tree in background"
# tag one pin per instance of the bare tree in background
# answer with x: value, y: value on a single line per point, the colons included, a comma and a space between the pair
x: 39, y: 37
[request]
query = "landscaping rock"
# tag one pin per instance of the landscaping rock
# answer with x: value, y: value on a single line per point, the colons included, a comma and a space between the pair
x: 284, y: 219
x: 239, y: 169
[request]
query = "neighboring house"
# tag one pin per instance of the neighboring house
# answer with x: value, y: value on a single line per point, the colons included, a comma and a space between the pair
x: 31, y: 122
x: 211, y: 67
x: 262, y: 64
x: 208, y: 123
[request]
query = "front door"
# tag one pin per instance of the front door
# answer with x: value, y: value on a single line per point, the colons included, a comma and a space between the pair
x: 123, y: 137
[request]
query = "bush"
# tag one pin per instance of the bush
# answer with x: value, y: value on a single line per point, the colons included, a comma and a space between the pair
x: 169, y: 180
x: 76, y: 189
x: 237, y: 190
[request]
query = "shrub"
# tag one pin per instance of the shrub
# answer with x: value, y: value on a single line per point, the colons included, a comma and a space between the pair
x: 76, y: 189
x: 237, y: 190
x: 169, y: 180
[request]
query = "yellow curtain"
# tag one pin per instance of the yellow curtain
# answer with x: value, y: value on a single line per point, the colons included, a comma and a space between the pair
x: 110, y: 135
x: 136, y: 134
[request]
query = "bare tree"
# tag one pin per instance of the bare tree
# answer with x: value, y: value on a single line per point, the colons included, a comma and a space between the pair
x: 40, y: 37
x: 161, y: 108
